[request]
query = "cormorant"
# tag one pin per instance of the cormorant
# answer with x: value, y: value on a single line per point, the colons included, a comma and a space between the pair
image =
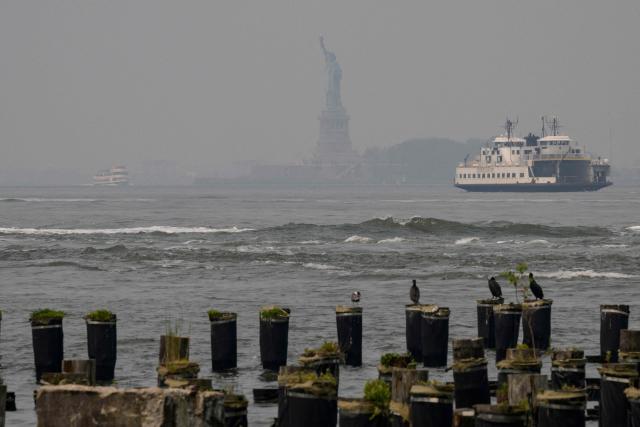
x: 355, y: 297
x: 494, y: 287
x: 536, y: 290
x: 414, y: 293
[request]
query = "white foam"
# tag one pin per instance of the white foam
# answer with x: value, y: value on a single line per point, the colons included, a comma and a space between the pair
x: 392, y: 240
x: 357, y: 239
x: 133, y: 230
x: 502, y: 242
x: 611, y: 246
x: 572, y: 274
x: 317, y: 266
x: 538, y: 242
x: 634, y: 228
x: 467, y: 240
x: 311, y: 242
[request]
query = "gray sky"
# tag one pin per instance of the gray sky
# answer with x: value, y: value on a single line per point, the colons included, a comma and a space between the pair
x: 86, y: 83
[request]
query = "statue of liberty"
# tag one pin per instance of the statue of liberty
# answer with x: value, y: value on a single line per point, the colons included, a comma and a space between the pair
x: 334, y: 73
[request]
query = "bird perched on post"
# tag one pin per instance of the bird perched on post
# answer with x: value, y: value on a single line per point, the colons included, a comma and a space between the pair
x: 355, y: 297
x: 414, y: 293
x: 536, y: 290
x: 495, y: 288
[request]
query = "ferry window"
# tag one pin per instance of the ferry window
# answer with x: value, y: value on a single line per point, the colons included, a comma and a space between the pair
x: 488, y: 159
x: 483, y: 175
x: 521, y: 174
x: 577, y: 151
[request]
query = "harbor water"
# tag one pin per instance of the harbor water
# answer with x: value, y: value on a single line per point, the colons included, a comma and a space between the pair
x: 164, y: 255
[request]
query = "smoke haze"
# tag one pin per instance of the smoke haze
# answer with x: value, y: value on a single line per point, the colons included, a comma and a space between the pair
x: 206, y: 88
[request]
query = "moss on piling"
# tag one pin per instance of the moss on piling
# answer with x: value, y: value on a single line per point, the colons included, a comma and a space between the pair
x: 45, y: 316
x: 216, y: 315
x: 273, y: 312
x: 397, y: 360
x: 101, y: 316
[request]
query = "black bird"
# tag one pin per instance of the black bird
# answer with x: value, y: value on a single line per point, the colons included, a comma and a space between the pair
x: 536, y: 290
x: 414, y: 293
x: 355, y: 297
x: 495, y: 288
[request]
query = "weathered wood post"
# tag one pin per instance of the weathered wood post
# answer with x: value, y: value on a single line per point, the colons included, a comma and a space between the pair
x: 486, y: 322
x: 48, y: 341
x: 359, y: 413
x: 568, y: 369
x: 224, y: 346
x: 102, y: 343
x: 349, y: 325
x: 500, y: 415
x: 413, y: 315
x: 633, y: 396
x: 536, y: 323
x: 388, y: 361
x: 402, y: 379
x: 518, y: 361
x: 326, y: 358
x: 435, y: 336
x: 507, y: 324
x: 613, y: 318
x: 561, y: 408
x: 274, y: 337
x: 431, y: 404
x: 614, y: 379
x: 3, y: 403
x: 86, y: 368
x: 464, y: 417
x: 235, y: 410
x: 470, y: 373
x: 629, y: 346
x: 175, y: 369
x: 311, y: 400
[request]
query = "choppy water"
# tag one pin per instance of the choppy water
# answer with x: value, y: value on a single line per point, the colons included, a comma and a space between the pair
x: 153, y: 255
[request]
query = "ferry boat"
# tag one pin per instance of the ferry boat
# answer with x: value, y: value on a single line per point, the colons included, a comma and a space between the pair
x: 550, y: 163
x: 116, y: 176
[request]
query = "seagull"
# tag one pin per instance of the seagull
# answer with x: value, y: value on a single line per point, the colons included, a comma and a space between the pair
x: 414, y: 293
x: 494, y: 287
x: 536, y: 290
x: 355, y: 297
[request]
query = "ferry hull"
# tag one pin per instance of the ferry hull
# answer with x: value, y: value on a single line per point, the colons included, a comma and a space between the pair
x: 533, y: 188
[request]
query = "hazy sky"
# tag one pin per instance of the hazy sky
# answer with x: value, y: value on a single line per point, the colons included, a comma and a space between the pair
x: 86, y: 83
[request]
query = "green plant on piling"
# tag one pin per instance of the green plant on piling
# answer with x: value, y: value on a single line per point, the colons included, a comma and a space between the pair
x: 273, y: 313
x: 397, y: 360
x: 100, y: 316
x: 378, y: 393
x: 43, y: 316
x: 517, y: 279
x: 219, y: 315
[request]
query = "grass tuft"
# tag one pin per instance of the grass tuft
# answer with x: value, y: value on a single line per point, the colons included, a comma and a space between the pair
x: 43, y: 316
x: 101, y: 316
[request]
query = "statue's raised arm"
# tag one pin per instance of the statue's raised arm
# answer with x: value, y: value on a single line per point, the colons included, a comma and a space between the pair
x: 334, y: 76
x: 324, y: 49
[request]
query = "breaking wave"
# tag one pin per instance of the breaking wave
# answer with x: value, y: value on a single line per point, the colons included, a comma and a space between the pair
x: 358, y: 239
x: 634, y: 228
x: 392, y: 240
x: 317, y: 266
x: 160, y: 229
x: 572, y: 274
x: 441, y: 226
x: 467, y: 240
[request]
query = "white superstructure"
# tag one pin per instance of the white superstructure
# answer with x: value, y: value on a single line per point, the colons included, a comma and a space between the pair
x: 116, y: 176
